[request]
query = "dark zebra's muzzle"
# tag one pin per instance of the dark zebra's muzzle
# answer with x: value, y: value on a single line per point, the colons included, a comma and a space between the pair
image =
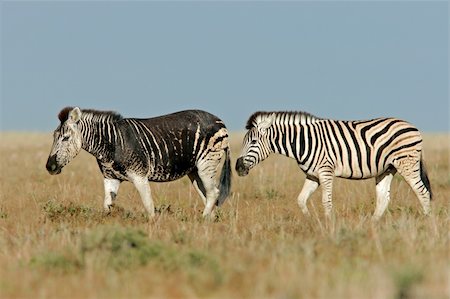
x: 241, y: 169
x: 52, y: 165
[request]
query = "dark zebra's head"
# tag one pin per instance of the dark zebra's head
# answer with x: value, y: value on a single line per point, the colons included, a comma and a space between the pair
x: 256, y: 145
x: 66, y: 140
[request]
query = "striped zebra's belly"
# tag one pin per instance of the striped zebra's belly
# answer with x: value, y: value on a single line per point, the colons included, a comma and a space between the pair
x: 357, y: 173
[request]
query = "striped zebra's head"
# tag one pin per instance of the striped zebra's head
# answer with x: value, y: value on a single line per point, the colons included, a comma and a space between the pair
x: 256, y: 146
x: 66, y: 140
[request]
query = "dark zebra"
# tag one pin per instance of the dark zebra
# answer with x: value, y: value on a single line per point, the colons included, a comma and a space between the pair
x: 326, y: 148
x: 158, y: 149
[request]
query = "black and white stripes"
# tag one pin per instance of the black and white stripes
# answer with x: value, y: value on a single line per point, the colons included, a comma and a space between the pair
x: 326, y: 148
x: 157, y: 149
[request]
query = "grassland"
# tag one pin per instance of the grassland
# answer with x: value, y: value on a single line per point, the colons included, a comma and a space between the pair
x: 55, y: 242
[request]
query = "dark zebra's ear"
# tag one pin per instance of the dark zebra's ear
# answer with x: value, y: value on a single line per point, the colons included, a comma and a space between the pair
x: 74, y: 115
x: 266, y: 122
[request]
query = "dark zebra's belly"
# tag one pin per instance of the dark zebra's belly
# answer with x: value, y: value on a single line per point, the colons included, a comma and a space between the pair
x: 174, y: 170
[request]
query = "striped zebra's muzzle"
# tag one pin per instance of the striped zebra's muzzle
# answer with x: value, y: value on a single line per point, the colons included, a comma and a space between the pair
x: 241, y: 169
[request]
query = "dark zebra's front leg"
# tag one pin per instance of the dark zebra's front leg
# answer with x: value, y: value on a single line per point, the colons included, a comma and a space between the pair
x: 111, y: 189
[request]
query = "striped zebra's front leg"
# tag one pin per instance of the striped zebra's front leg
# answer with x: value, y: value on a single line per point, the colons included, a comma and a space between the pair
x: 309, y: 187
x: 111, y: 189
x: 326, y: 181
x: 141, y: 184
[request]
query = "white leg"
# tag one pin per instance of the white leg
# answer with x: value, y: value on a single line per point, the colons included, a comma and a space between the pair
x: 309, y: 187
x: 207, y: 172
x: 383, y: 190
x: 111, y: 189
x: 326, y: 181
x: 212, y: 192
x: 141, y: 184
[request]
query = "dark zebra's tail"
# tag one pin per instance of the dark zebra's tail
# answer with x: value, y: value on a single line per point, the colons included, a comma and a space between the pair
x: 225, y: 179
x: 424, y: 178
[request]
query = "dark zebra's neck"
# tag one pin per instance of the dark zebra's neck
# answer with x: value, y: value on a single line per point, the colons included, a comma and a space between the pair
x: 100, y: 133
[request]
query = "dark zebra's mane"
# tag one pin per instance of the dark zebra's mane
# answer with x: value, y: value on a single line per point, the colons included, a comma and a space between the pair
x: 64, y: 114
x: 253, y: 120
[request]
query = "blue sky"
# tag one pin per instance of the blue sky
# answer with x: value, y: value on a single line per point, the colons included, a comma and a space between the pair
x: 341, y: 60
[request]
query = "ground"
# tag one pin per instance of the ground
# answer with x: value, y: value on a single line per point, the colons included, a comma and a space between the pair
x: 56, y: 242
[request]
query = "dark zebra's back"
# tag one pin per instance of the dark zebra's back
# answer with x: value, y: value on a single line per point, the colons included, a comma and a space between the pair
x: 169, y: 145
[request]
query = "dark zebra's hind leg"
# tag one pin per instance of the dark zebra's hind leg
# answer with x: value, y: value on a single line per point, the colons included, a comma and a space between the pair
x: 198, y: 185
x: 414, y: 173
x: 207, y: 170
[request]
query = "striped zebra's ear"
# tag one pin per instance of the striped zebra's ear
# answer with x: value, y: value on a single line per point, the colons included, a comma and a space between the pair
x: 266, y: 122
x: 74, y: 115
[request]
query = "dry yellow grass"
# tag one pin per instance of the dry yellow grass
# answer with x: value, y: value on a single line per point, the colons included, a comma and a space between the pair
x: 55, y: 241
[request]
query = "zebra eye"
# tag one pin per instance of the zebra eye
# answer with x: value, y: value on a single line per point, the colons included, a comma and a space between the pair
x: 65, y: 138
x: 254, y: 141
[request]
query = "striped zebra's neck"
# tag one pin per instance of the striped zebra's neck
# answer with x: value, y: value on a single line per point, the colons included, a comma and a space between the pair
x: 286, y: 133
x: 99, y: 132
x: 281, y: 118
x: 294, y: 118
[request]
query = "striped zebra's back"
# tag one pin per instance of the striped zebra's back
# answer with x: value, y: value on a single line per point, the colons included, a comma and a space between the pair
x: 364, y: 149
x: 354, y: 149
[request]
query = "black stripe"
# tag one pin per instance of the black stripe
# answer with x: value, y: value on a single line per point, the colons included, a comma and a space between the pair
x: 314, y: 150
x: 329, y: 142
x: 387, y: 143
x: 276, y: 140
x: 301, y: 137
x: 356, y: 145
x: 219, y: 139
x: 348, y: 148
x: 308, y: 150
x: 294, y: 140
x: 386, y: 128
x: 337, y: 139
x: 283, y: 141
x: 399, y: 149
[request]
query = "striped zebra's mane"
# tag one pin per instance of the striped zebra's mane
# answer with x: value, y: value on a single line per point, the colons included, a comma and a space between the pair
x: 114, y: 116
x: 287, y: 116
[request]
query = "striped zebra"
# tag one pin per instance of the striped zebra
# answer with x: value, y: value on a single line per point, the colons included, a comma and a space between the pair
x: 159, y: 149
x: 326, y: 148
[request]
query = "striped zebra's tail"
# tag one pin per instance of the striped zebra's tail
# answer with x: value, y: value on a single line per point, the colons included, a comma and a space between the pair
x: 225, y: 179
x: 424, y: 178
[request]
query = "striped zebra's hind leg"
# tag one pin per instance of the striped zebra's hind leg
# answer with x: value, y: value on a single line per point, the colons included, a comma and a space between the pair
x: 309, y: 187
x: 383, y: 191
x: 414, y: 173
x: 198, y: 185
